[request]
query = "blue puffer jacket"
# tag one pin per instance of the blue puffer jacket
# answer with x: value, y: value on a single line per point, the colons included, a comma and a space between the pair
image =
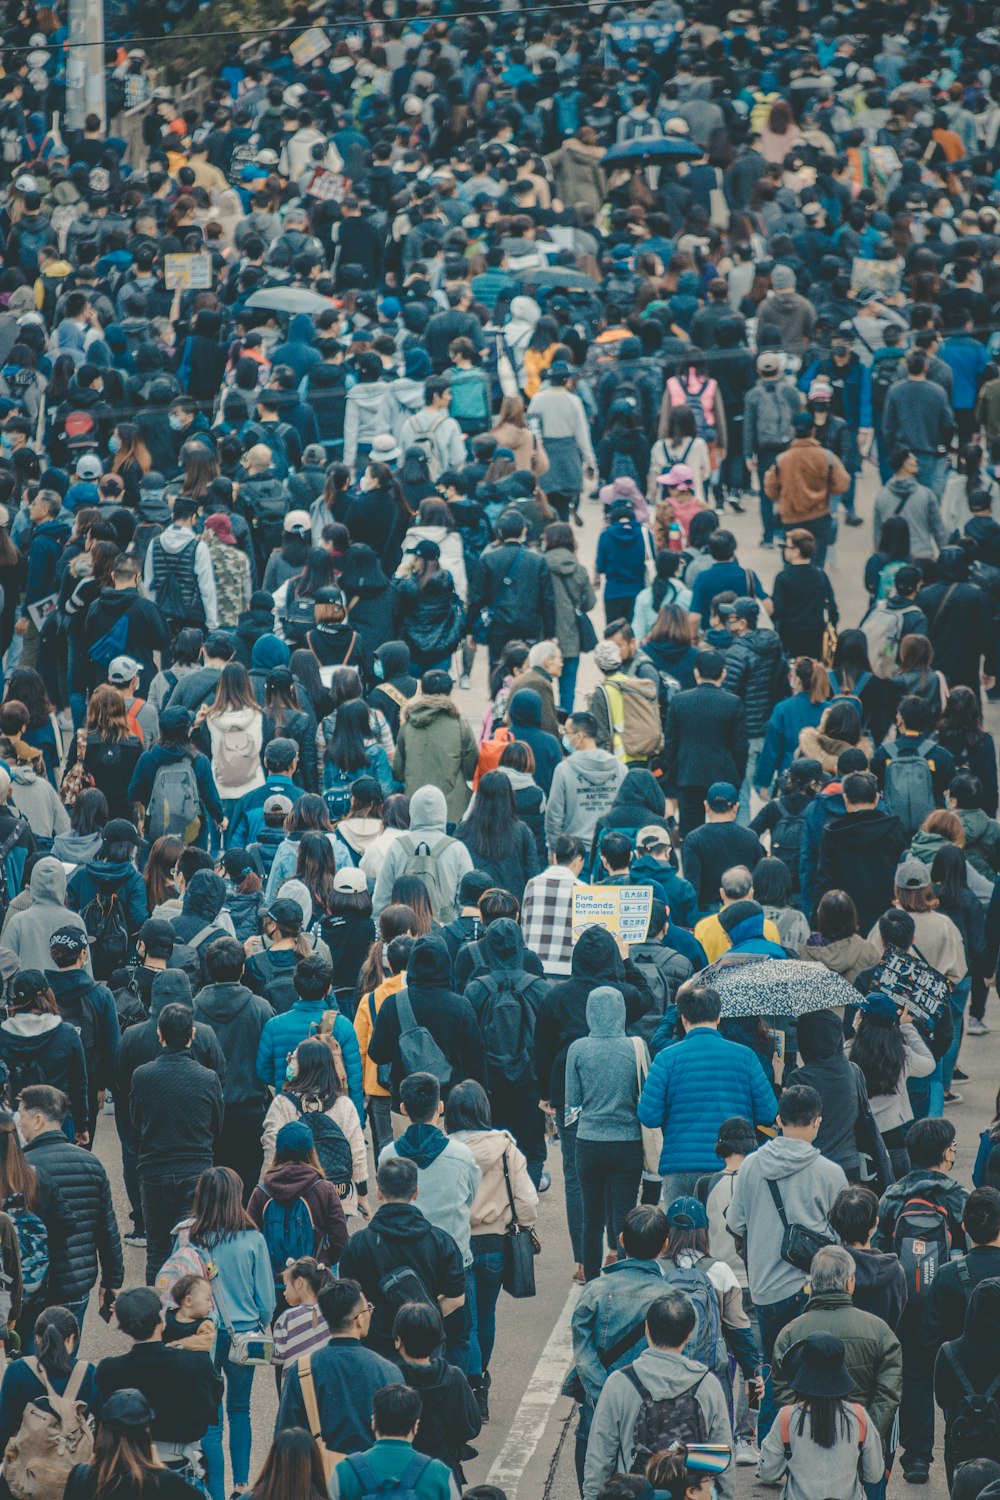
x: 283, y: 1034
x: 695, y: 1085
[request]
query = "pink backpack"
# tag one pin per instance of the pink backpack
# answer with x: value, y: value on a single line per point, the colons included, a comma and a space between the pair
x: 698, y: 394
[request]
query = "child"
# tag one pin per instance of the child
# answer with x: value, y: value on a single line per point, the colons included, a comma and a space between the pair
x: 450, y: 1415
x: 679, y: 502
x: 302, y: 1329
x: 189, y: 1324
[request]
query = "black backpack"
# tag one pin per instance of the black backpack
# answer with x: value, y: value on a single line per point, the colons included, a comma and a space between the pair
x: 332, y: 1146
x: 786, y: 841
x: 298, y: 617
x: 128, y: 1004
x: 508, y: 1027
x: 279, y: 989
x: 106, y: 924
x: 399, y: 1284
x: 922, y: 1241
x: 974, y: 1430
x: 80, y: 1014
x: 675, y: 1419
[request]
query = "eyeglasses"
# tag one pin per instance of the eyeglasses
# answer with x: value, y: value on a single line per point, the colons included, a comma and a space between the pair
x: 365, y: 1310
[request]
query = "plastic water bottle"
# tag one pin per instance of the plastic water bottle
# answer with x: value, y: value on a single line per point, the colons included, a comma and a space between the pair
x: 675, y: 540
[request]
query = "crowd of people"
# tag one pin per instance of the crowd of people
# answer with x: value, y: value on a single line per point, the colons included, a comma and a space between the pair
x: 439, y: 350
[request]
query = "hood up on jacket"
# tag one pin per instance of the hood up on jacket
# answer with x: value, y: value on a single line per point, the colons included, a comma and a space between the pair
x: 421, y: 712
x: 48, y: 883
x: 504, y: 945
x: 820, y: 1035
x: 109, y: 873
x: 526, y: 709
x: 640, y: 789
x: 298, y: 891
x: 430, y: 964
x: 596, y: 958
x: 428, y: 810
x: 205, y: 895
x: 267, y: 652
x: 606, y: 1012
x: 395, y: 659
x: 170, y: 987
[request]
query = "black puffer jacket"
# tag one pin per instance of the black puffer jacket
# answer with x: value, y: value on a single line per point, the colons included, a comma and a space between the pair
x: 562, y: 1015
x: 369, y: 595
x: 755, y: 672
x: 431, y: 620
x: 90, y: 1237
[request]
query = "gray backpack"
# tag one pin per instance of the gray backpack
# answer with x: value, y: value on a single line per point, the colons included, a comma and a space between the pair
x: 909, y: 785
x: 418, y: 1051
x: 423, y: 861
x: 174, y: 802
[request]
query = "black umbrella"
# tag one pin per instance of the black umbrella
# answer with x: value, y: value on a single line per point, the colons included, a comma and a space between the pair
x: 649, y: 148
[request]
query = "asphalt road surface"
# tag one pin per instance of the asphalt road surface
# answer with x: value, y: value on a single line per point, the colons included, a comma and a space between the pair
x: 527, y: 1447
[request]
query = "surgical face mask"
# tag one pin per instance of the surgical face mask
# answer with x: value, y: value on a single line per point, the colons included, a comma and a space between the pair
x: 176, y: 421
x: 946, y: 211
x: 378, y: 669
x: 567, y: 744
x: 6, y: 442
x: 114, y: 443
x: 292, y: 1070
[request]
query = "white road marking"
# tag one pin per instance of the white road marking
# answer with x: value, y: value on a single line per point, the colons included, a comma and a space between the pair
x: 532, y: 1415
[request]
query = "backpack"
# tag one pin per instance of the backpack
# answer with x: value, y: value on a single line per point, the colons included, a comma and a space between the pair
x: 774, y: 420
x: 375, y: 1488
x: 508, y: 1027
x: 11, y: 141
x: 80, y: 1014
x: 655, y: 981
x: 418, y: 1051
x: 129, y: 1006
x: 289, y: 1232
x: 922, y: 1242
x: 337, y: 791
x: 423, y: 859
x: 700, y: 401
x: 974, y: 1430
x: 634, y: 715
x: 174, y: 803
x: 33, y: 1242
x: 111, y: 643
x: 658, y: 1424
x: 623, y: 466
x: 29, y: 242
x: 383, y: 1071
x: 175, y: 584
x: 279, y: 991
x: 908, y: 785
x: 184, y: 1260
x: 11, y: 870
x: 884, y: 373
x: 490, y: 752
x: 236, y: 760
x: 398, y: 1285
x: 786, y: 841
x: 567, y: 112
x: 297, y: 618
x: 51, y: 1440
x: 703, y: 1345
x: 109, y: 930
x: 886, y: 579
x: 132, y: 719
x: 425, y: 439
x: 882, y: 629
x: 332, y: 1147
x: 265, y: 503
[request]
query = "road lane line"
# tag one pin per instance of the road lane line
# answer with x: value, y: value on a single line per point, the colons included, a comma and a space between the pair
x: 535, y: 1407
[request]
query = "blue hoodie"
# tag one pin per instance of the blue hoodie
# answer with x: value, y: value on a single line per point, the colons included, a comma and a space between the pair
x: 621, y: 557
x: 298, y: 351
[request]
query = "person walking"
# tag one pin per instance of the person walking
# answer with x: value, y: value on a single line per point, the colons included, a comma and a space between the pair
x: 704, y: 741
x: 918, y: 417
x: 802, y: 481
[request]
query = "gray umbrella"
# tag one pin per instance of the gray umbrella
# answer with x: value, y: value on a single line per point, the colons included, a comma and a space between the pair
x: 780, y: 987
x: 289, y: 299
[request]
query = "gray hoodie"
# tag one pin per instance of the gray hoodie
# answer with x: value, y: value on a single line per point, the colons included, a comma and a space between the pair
x: 29, y: 932
x: 814, y: 1473
x: 369, y: 411
x: 601, y: 1074
x: 665, y: 1375
x: 583, y: 789
x: 808, y: 1185
x: 918, y: 507
x: 35, y: 799
x: 428, y: 818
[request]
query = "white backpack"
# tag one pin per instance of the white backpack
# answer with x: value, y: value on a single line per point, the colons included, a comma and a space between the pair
x: 883, y: 629
x: 237, y: 758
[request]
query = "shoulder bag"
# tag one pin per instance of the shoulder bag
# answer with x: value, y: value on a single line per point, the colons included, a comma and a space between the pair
x: 255, y: 1347
x: 798, y: 1243
x: 652, y: 1135
x: 518, y: 1250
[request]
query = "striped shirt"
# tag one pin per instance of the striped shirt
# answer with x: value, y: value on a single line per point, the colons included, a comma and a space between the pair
x: 300, y: 1330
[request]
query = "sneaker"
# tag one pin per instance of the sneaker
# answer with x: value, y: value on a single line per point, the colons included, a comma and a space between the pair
x: 736, y: 505
x: 544, y: 1182
x: 959, y: 1075
x: 975, y: 1027
x: 747, y: 1452
x: 463, y: 682
x: 851, y: 518
x: 766, y: 545
x: 917, y: 1473
x: 952, y: 1098
x: 577, y: 518
x: 136, y: 1240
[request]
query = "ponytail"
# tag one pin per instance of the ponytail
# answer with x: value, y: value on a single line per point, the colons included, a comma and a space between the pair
x: 52, y: 1328
x: 814, y: 678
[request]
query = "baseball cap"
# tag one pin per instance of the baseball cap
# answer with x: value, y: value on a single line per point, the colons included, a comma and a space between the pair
x: 297, y: 520
x: 912, y: 875
x: 879, y: 1006
x: 425, y: 548
x: 286, y: 913
x: 811, y: 210
x: 768, y: 363
x: 652, y: 837
x: 157, y: 937
x: 820, y: 390
x: 680, y: 477
x: 277, y: 804
x: 743, y: 609
x: 123, y: 669
x: 687, y: 1213
x: 120, y: 831
x: 89, y: 466
x: 722, y: 795
x: 69, y: 940
x: 351, y: 879
x: 175, y: 718
x: 128, y: 1410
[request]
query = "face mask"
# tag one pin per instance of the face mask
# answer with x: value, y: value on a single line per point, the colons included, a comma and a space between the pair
x: 378, y: 669
x: 947, y: 212
x: 114, y: 443
x: 6, y: 442
x: 365, y: 483
x: 292, y: 1070
x: 176, y: 421
x: 567, y: 744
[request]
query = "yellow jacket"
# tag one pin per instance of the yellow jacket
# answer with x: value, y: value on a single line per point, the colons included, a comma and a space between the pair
x: 715, y: 940
x: 363, y: 1028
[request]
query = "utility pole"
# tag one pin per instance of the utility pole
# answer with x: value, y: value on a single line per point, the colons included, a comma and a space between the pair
x: 85, y: 63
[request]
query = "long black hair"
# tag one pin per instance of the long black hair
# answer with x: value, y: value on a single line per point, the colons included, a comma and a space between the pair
x: 351, y: 735
x: 879, y: 1049
x: 489, y: 829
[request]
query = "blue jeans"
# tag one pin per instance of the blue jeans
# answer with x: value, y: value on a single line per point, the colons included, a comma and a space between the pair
x: 755, y: 745
x: 958, y: 1000
x: 483, y: 1286
x: 239, y: 1384
x: 932, y: 471
x: 772, y: 1317
x: 567, y: 683
x: 461, y: 1344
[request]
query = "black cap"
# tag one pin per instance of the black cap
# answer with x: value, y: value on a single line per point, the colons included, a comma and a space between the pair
x: 176, y: 719
x: 286, y: 913
x: 120, y: 831
x: 126, y: 1410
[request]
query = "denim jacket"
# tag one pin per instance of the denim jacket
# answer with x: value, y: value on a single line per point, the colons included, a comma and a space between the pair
x: 608, y: 1308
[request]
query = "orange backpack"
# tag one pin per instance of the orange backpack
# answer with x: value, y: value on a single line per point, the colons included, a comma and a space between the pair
x: 490, y: 752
